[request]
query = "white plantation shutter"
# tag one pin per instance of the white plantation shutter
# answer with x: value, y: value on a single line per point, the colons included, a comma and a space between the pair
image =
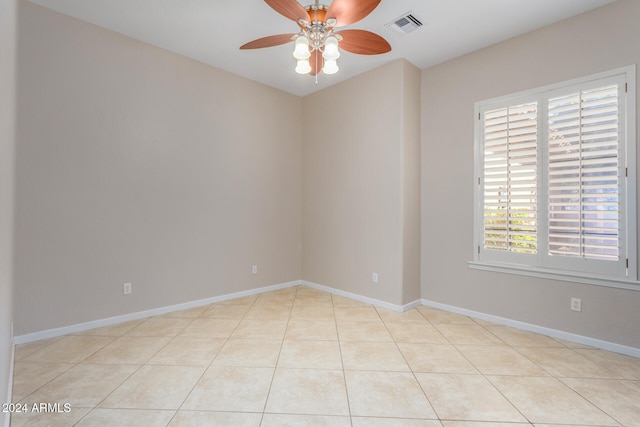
x: 510, y: 175
x: 556, y: 180
x: 583, y: 183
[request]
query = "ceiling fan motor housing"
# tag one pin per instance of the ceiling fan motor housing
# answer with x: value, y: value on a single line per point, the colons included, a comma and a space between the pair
x: 318, y: 27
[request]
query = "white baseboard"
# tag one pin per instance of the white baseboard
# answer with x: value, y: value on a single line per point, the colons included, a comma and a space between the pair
x: 56, y: 332
x: 71, y: 329
x: 554, y: 333
x: 367, y: 300
x: 567, y: 336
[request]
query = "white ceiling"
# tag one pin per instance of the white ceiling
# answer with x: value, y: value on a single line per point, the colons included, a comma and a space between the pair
x: 211, y: 31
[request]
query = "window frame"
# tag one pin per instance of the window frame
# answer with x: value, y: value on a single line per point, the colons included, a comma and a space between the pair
x: 538, y: 264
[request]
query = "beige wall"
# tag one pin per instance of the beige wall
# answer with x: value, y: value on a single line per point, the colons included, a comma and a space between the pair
x: 137, y: 165
x: 411, y: 184
x: 354, y: 176
x: 7, y: 139
x: 603, y: 39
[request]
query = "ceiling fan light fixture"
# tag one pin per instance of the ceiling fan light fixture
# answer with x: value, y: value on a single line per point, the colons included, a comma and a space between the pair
x: 316, y: 45
x: 331, y: 51
x: 330, y: 66
x: 301, y: 49
x: 303, y: 66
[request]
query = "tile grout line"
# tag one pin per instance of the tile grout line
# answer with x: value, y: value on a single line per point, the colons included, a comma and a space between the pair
x: 124, y: 334
x: 551, y: 375
x: 78, y: 363
x: 226, y: 340
x: 487, y: 378
x: 344, y: 373
x: 273, y: 375
x: 97, y: 405
x: 413, y: 373
x: 589, y: 400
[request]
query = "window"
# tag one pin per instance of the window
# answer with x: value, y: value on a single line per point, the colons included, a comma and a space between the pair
x: 555, y: 181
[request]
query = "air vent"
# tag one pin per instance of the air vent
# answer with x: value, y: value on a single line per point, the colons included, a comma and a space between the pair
x: 405, y: 23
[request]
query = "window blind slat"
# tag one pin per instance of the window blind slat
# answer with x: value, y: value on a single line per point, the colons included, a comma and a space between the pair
x: 583, y: 174
x: 510, y: 178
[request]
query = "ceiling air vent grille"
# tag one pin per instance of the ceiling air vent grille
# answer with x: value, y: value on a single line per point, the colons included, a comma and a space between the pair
x: 405, y: 23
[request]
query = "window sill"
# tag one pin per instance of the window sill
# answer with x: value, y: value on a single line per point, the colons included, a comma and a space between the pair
x: 522, y: 270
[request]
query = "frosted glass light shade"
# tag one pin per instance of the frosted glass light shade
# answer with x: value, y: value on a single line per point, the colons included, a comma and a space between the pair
x: 331, y: 51
x: 301, y: 50
x: 330, y: 66
x: 303, y: 66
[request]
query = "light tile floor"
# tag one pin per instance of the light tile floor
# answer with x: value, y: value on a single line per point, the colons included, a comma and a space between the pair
x: 302, y: 357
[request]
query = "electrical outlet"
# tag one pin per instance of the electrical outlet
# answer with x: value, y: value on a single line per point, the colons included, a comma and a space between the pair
x: 126, y: 288
x: 576, y: 304
x: 374, y: 279
x: 254, y: 269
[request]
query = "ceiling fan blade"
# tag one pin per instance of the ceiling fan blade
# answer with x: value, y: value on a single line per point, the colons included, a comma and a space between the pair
x: 316, y: 62
x: 349, y: 11
x: 363, y: 42
x: 268, y: 41
x: 289, y: 8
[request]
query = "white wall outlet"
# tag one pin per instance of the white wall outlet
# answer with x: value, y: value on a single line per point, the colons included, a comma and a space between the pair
x: 576, y: 304
x: 254, y: 269
x: 374, y: 279
x: 126, y: 288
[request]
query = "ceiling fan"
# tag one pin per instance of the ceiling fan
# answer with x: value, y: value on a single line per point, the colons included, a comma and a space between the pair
x: 317, y: 44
